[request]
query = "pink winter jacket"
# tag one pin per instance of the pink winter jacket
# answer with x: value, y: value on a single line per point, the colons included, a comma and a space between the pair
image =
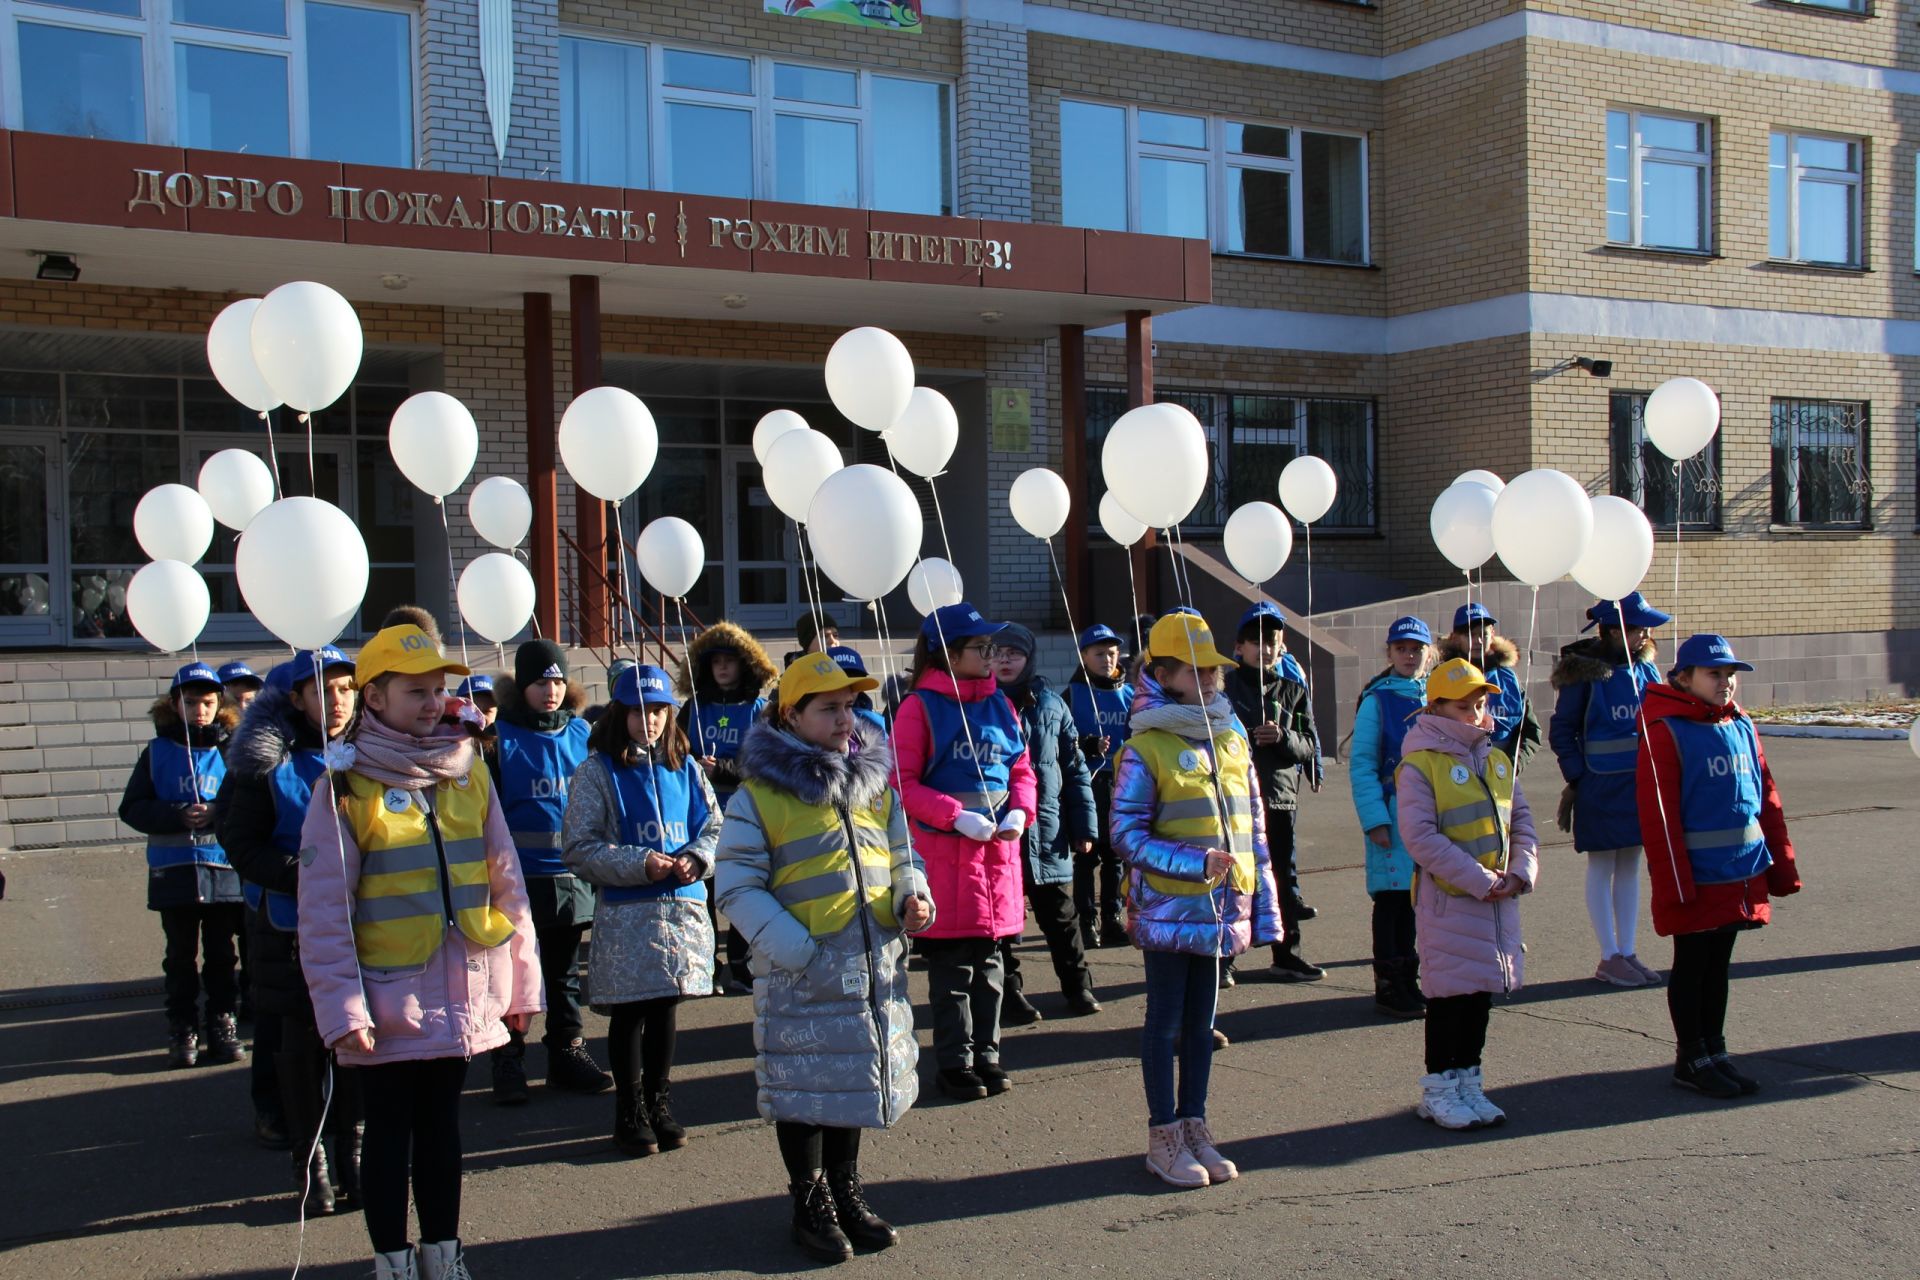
x: 1466, y: 944
x: 977, y: 891
x: 450, y: 1007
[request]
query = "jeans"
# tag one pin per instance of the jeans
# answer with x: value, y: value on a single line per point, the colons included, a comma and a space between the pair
x: 1181, y: 992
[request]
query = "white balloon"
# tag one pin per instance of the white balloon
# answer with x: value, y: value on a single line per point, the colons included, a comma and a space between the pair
x: 1542, y: 522
x: 771, y: 427
x: 1682, y: 415
x: 1913, y: 735
x: 608, y: 442
x: 306, y: 343
x: 671, y: 556
x: 1620, y: 552
x: 1479, y: 476
x: 925, y: 435
x: 1258, y: 540
x: 501, y: 511
x: 1120, y: 526
x: 230, y: 353
x: 167, y: 603
x: 172, y: 522
x: 869, y: 377
x: 236, y: 486
x: 434, y: 442
x: 1308, y: 488
x: 934, y: 584
x: 865, y: 526
x: 1155, y: 463
x: 797, y: 464
x: 1040, y: 502
x: 496, y: 596
x: 1462, y: 523
x: 302, y: 566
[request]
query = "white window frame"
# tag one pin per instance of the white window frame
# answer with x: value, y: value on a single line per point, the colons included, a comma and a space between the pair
x: 1638, y: 152
x: 159, y: 32
x: 1796, y: 172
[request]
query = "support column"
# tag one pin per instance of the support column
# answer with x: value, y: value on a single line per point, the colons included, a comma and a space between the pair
x: 536, y: 336
x: 1073, y: 461
x: 1139, y: 392
x: 590, y: 513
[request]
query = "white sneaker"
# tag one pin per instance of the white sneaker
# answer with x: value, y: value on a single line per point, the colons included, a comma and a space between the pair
x: 1200, y: 1142
x: 1476, y: 1101
x: 1168, y: 1158
x: 443, y: 1260
x: 398, y: 1265
x: 1440, y: 1102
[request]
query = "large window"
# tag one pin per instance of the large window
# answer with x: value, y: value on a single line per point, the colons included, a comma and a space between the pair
x: 1659, y: 181
x: 727, y: 125
x: 1248, y: 188
x: 1645, y: 476
x: 317, y: 78
x: 1820, y: 472
x: 1263, y: 433
x: 1814, y: 199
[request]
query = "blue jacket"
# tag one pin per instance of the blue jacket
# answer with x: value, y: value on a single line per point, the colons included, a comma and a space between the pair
x: 1378, y: 730
x: 533, y: 769
x: 1595, y: 733
x: 184, y: 869
x: 1063, y: 785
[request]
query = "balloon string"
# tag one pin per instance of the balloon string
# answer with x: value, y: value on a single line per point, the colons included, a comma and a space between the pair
x: 809, y: 583
x: 1133, y: 595
x: 693, y: 678
x: 1309, y: 528
x: 886, y: 703
x: 1526, y: 685
x: 1633, y: 674
x: 1679, y: 512
x: 941, y: 518
x: 273, y: 455
x: 966, y: 728
x: 186, y: 735
x: 527, y: 560
x: 626, y: 593
x: 453, y: 583
x: 313, y: 479
x: 1067, y: 604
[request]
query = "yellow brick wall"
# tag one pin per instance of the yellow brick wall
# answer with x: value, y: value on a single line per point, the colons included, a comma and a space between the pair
x: 741, y: 26
x: 1409, y: 24
x: 130, y: 310
x: 1327, y: 24
x: 1881, y: 39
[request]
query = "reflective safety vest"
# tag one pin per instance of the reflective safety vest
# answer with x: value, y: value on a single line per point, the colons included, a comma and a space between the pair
x: 1396, y: 712
x: 716, y: 728
x: 420, y: 872
x: 974, y: 747
x: 1611, y: 732
x: 1193, y: 800
x: 1475, y: 811
x: 535, y: 771
x: 175, y: 782
x: 1100, y: 713
x: 660, y: 809
x: 291, y: 786
x: 812, y: 872
x: 1720, y: 795
x: 1508, y: 706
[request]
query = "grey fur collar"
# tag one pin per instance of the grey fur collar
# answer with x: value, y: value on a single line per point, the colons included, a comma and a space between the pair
x: 1589, y: 662
x: 813, y: 774
x: 267, y: 733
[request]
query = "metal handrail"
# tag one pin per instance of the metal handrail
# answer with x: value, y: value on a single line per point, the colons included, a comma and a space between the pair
x: 616, y: 599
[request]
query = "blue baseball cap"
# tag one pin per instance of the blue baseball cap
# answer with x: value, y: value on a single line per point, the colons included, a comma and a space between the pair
x: 849, y: 659
x: 645, y: 685
x: 1409, y: 629
x: 192, y: 674
x: 288, y: 675
x: 956, y: 622
x: 1468, y: 614
x: 1708, y: 650
x: 1266, y: 613
x: 476, y: 684
x: 233, y: 671
x: 1635, y: 609
x: 1184, y: 608
x: 1099, y: 633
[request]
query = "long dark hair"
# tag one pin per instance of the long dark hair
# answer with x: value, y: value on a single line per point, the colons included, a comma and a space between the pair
x: 928, y: 655
x: 611, y: 739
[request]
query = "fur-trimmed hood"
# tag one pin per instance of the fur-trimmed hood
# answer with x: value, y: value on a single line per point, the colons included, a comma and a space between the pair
x: 268, y: 732
x: 815, y: 775
x: 510, y: 701
x: 1501, y: 652
x: 1590, y: 661
x: 165, y: 713
x: 725, y: 635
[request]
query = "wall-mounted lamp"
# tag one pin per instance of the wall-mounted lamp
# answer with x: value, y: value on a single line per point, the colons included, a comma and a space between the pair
x: 1598, y: 368
x: 56, y: 266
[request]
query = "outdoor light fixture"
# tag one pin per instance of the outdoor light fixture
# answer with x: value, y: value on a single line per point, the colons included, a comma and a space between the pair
x: 396, y: 280
x: 733, y: 301
x: 992, y: 317
x: 1598, y: 368
x: 56, y: 266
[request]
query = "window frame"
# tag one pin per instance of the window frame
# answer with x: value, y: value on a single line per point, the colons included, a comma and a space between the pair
x: 1856, y: 180
x: 1708, y: 461
x: 1638, y: 152
x: 1785, y: 514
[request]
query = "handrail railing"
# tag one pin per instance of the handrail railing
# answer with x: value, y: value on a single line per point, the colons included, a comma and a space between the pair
x: 617, y: 607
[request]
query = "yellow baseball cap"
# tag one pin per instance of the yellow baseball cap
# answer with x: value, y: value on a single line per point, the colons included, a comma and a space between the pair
x: 1457, y: 678
x: 404, y: 650
x: 1184, y: 637
x: 819, y: 673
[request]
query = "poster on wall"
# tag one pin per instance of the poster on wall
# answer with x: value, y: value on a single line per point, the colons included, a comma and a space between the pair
x: 894, y: 15
x: 1012, y: 426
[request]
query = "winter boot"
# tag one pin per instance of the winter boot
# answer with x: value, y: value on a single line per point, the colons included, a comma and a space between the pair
x: 311, y: 1181
x: 1018, y: 1011
x: 994, y: 1077
x: 1389, y: 991
x: 183, y: 1043
x: 510, y: 1071
x: 858, y: 1221
x: 816, y: 1222
x: 1441, y: 1103
x: 571, y: 1068
x: 1695, y: 1069
x: 1298, y: 907
x: 631, y: 1132
x: 1081, y: 1002
x: 1410, y: 976
x: 1716, y: 1047
x: 223, y: 1039
x: 346, y: 1169
x: 443, y: 1260
x: 1112, y: 932
x: 672, y: 1135
x: 1288, y: 967
x: 961, y: 1084
x: 1225, y: 967
x: 398, y: 1265
x: 1477, y: 1101
x: 1169, y: 1160
x: 1200, y: 1143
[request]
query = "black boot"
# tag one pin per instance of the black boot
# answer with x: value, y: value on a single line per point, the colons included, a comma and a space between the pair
x: 816, y: 1224
x: 1081, y: 1002
x: 571, y: 1068
x: 345, y: 1167
x: 183, y: 1043
x: 1112, y: 932
x: 1017, y: 1010
x: 1389, y: 991
x: 510, y: 1071
x: 631, y: 1132
x: 671, y: 1134
x: 1299, y: 909
x: 223, y: 1039
x: 1411, y: 976
x: 1716, y: 1047
x: 1695, y: 1069
x: 858, y: 1221
x: 993, y: 1077
x: 311, y: 1179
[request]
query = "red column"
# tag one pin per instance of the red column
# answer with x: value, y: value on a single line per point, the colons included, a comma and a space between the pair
x: 536, y: 338
x: 1073, y: 461
x: 1139, y: 392
x: 589, y: 512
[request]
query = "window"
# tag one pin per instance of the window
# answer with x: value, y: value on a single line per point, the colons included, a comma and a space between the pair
x: 1820, y: 474
x: 1659, y: 182
x: 1258, y: 189
x: 1814, y: 199
x: 1842, y: 6
x: 328, y: 80
x: 1644, y: 476
x: 727, y: 125
x: 1263, y: 433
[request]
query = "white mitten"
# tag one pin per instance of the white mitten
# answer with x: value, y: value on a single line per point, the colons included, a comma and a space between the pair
x: 1014, y: 825
x: 973, y: 826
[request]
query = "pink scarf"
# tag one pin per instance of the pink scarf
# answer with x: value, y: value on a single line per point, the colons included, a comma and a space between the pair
x: 401, y: 760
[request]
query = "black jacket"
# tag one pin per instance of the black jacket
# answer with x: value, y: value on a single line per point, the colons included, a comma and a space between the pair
x: 142, y: 809
x: 1063, y: 790
x: 1284, y: 704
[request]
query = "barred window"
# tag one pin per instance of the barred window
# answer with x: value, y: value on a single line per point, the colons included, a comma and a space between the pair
x: 1820, y: 471
x: 1644, y: 476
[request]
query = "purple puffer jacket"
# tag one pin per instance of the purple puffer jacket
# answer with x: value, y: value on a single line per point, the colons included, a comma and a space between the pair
x: 1466, y: 944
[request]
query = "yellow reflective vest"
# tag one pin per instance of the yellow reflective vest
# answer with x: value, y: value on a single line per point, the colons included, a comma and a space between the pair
x: 1193, y: 803
x: 1474, y: 811
x: 811, y: 871
x: 402, y: 905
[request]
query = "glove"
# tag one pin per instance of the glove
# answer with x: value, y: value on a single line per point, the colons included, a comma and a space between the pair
x: 1014, y: 825
x: 1564, y: 819
x: 974, y: 826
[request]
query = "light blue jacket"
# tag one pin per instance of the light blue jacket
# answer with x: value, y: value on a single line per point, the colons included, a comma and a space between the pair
x: 1391, y: 867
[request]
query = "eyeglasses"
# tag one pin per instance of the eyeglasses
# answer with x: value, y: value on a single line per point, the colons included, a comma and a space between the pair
x: 985, y: 650
x: 1002, y: 651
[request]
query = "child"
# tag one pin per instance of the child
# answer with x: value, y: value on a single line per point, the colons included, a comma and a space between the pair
x: 1100, y: 699
x: 642, y: 825
x: 1595, y: 732
x: 854, y: 665
x: 1467, y: 828
x: 1516, y: 730
x: 169, y: 797
x: 1065, y: 826
x: 1187, y: 819
x: 814, y: 633
x: 478, y: 689
x: 540, y: 742
x: 1269, y: 694
x: 240, y: 684
x: 412, y: 833
x: 967, y: 783
x: 1717, y: 847
x: 1387, y: 706
x: 833, y: 1027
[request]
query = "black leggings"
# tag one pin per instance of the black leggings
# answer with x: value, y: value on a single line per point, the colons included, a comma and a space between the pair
x: 641, y: 1032
x: 1457, y: 1030
x: 808, y: 1149
x: 1392, y: 925
x: 413, y: 1118
x: 1697, y: 990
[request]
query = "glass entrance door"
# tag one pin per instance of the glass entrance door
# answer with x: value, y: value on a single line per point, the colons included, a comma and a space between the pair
x: 763, y: 577
x: 31, y: 611
x: 327, y: 476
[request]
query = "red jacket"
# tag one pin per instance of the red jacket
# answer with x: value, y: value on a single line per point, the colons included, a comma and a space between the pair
x: 1679, y: 905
